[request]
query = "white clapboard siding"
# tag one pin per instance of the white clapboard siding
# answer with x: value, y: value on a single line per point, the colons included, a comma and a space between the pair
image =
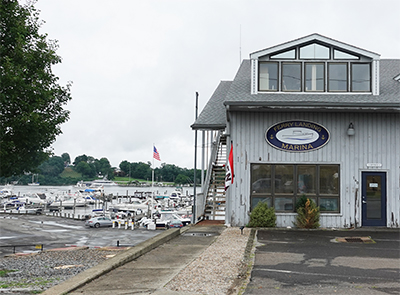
x: 376, y: 140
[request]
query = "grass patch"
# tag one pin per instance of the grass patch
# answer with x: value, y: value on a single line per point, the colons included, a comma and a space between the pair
x: 4, y: 272
x: 69, y: 172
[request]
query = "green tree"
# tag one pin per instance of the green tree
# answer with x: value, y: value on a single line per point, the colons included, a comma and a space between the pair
x: 54, y: 166
x: 81, y: 158
x: 66, y: 158
x: 86, y: 169
x: 31, y: 100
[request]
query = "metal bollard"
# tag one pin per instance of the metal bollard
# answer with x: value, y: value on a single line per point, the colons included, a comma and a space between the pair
x: 113, y: 224
x: 126, y: 224
x: 119, y: 224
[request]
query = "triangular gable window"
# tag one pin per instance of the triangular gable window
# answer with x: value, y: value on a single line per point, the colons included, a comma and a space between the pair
x: 314, y: 51
x: 337, y: 54
x: 290, y: 54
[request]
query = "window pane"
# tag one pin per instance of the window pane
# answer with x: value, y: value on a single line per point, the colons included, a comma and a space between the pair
x: 343, y: 55
x: 291, y: 77
x: 284, y: 179
x: 291, y: 54
x: 329, y: 204
x: 329, y: 180
x: 283, y: 204
x: 311, y: 198
x: 337, y: 77
x: 315, y: 77
x: 255, y: 200
x: 261, y: 179
x: 314, y: 51
x: 360, y: 77
x: 268, y: 76
x: 306, y: 175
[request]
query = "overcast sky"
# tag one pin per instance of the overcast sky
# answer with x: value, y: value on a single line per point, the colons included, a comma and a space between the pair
x: 136, y: 65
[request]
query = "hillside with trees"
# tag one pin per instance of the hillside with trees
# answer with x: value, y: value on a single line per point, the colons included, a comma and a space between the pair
x: 58, y: 170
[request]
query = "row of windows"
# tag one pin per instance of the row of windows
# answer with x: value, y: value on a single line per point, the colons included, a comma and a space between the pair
x: 314, y: 76
x: 282, y: 185
x: 314, y: 51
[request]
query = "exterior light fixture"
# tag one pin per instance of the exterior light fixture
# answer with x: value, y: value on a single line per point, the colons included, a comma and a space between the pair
x: 350, y: 130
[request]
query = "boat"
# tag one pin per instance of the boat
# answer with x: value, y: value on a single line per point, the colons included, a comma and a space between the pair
x: 68, y: 203
x: 132, y: 206
x: 33, y: 180
x: 298, y: 135
x: 6, y: 191
x: 103, y: 182
x: 34, y: 199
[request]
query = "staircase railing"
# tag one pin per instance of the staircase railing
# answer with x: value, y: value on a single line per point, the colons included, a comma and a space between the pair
x: 201, y: 198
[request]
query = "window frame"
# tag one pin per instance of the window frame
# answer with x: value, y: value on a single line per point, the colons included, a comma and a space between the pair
x: 351, y: 77
x: 300, y: 72
x: 305, y: 76
x: 277, y: 76
x: 334, y: 59
x: 272, y: 196
x: 347, y: 76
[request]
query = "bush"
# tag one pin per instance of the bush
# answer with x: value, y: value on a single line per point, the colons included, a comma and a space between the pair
x: 262, y: 216
x: 307, y: 214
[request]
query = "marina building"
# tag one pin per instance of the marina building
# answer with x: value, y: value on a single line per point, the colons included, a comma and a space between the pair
x: 313, y: 116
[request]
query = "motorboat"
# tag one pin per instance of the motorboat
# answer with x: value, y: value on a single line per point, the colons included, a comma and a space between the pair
x: 6, y: 191
x: 69, y: 203
x: 132, y: 206
x: 35, y: 199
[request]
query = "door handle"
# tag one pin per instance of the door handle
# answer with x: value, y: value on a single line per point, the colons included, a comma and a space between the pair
x: 364, y: 202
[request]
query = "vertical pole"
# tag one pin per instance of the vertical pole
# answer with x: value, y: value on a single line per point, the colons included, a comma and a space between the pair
x: 195, y: 162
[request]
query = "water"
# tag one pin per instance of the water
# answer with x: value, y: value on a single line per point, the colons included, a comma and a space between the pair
x: 116, y: 190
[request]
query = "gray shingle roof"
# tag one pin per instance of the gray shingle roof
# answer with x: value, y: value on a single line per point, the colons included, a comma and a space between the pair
x: 213, y: 116
x: 238, y: 93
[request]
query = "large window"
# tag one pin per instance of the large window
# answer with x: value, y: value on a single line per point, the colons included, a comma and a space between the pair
x: 360, y: 77
x: 268, y: 76
x: 280, y: 186
x: 314, y: 68
x: 315, y: 77
x: 337, y: 77
x: 291, y: 77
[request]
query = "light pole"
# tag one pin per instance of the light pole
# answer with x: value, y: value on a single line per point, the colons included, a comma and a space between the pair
x: 195, y: 162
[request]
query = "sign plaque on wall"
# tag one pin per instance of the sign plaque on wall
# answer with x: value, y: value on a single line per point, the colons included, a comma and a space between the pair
x: 297, y: 136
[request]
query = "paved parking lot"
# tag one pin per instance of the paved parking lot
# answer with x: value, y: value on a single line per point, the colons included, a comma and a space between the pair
x: 323, y: 262
x: 56, y: 232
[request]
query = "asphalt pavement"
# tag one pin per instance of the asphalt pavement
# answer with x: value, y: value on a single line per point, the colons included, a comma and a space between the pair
x: 361, y: 261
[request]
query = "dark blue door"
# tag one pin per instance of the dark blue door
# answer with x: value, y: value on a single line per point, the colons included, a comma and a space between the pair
x: 373, y: 198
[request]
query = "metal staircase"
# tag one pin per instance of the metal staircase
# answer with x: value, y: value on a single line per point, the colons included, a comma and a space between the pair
x: 215, y: 196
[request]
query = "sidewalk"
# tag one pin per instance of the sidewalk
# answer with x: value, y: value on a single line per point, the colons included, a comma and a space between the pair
x: 146, y: 268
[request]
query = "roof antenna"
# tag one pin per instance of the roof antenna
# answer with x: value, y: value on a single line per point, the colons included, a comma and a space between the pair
x: 240, y: 45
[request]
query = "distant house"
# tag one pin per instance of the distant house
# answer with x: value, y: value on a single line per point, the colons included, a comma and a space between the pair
x: 315, y: 117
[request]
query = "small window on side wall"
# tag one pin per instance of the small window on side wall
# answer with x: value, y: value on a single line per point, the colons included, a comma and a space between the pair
x: 360, y: 77
x: 268, y: 76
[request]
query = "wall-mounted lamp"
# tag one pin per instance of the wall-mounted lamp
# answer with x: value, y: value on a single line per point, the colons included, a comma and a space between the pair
x: 350, y: 130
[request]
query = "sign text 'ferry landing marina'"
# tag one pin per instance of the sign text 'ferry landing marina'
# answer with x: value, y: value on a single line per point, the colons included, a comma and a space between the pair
x: 297, y: 136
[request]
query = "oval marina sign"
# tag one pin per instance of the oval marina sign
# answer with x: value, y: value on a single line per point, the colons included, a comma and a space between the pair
x: 297, y: 136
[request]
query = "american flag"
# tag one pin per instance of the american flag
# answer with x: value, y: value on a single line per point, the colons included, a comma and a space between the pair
x: 156, y: 155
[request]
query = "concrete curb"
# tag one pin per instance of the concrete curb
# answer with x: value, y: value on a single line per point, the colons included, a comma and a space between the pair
x: 114, y: 262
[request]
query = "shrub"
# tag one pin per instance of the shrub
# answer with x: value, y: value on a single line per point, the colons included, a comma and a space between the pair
x: 262, y: 216
x: 307, y: 214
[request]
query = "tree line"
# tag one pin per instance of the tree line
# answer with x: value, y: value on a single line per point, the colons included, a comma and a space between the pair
x: 59, y: 170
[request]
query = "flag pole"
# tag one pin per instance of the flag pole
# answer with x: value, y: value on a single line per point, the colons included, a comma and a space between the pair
x: 152, y: 183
